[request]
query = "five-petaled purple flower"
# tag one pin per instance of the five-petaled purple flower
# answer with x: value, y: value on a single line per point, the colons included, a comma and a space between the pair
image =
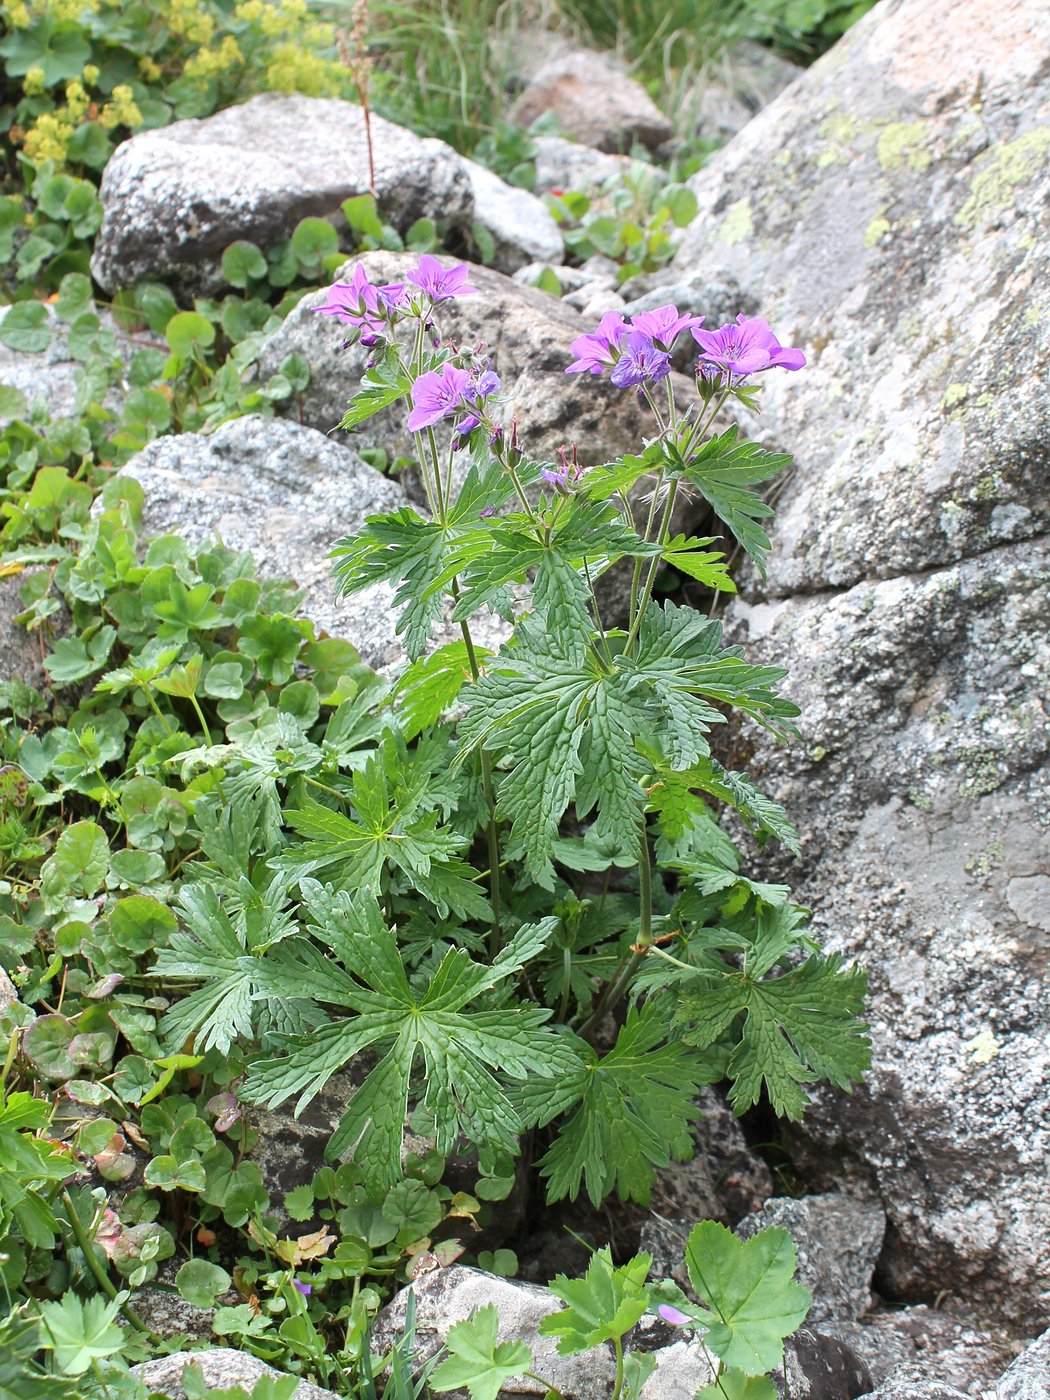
x: 663, y: 325
x: 356, y: 301
x: 440, y: 283
x: 600, y: 350
x: 441, y: 393
x: 742, y: 349
x: 640, y: 362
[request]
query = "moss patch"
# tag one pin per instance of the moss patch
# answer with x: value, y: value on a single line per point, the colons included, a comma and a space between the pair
x: 737, y: 226
x: 903, y: 144
x: 876, y: 231
x: 1003, y: 168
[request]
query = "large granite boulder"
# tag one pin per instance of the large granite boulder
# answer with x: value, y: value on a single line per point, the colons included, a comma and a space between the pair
x: 176, y: 196
x: 890, y: 212
x: 286, y: 493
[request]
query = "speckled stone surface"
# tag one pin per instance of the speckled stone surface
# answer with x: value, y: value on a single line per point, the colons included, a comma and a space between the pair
x: 175, y: 197
x: 890, y: 213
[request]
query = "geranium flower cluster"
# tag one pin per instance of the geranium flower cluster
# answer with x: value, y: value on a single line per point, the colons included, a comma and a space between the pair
x: 638, y: 352
x: 376, y: 309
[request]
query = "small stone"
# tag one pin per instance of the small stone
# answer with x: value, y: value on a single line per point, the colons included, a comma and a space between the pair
x: 817, y: 1367
x: 520, y: 225
x: 838, y: 1241
x: 221, y: 1367
x: 567, y: 165
x: 594, y: 101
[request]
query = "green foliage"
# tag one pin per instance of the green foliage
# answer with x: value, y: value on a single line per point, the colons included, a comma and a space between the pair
x: 630, y: 1111
x: 461, y: 1048
x: 749, y: 1303
x: 478, y: 1361
x: 630, y: 218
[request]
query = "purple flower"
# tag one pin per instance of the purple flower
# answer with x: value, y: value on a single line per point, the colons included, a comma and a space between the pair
x: 356, y: 302
x: 441, y: 393
x: 673, y: 1316
x: 746, y: 348
x: 640, y: 361
x: 304, y: 1288
x: 663, y: 325
x: 600, y: 350
x: 440, y: 283
x: 436, y: 395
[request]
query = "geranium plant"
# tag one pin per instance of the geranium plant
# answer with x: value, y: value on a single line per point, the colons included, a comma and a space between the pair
x: 521, y: 907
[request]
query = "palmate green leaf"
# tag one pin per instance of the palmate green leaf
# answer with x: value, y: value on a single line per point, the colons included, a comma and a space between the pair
x: 391, y: 831
x: 569, y: 725
x: 631, y: 1110
x: 478, y: 1361
x: 383, y: 385
x: 747, y: 1286
x: 80, y: 1332
x: 723, y: 471
x: 591, y: 531
x: 421, y: 556
x: 691, y: 557
x: 432, y: 684
x: 799, y: 1027
x: 464, y: 1054
x: 218, y: 948
x: 600, y: 1307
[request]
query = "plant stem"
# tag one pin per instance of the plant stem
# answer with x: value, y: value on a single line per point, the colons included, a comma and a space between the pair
x: 636, y: 954
x: 647, y: 590
x: 204, y: 722
x: 101, y: 1277
x: 492, y: 833
x: 618, y: 1383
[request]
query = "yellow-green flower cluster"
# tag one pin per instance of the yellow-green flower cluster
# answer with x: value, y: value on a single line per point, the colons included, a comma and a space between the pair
x: 213, y: 62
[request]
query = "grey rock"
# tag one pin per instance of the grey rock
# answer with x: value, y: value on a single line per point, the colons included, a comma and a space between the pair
x: 222, y: 1367
x: 176, y: 196
x: 568, y: 165
x: 916, y: 1383
x: 286, y: 493
x: 594, y: 101
x: 446, y: 1296
x: 49, y: 378
x: 896, y: 228
x: 732, y: 89
x: 521, y: 226
x: 893, y: 1341
x: 723, y: 1181
x: 570, y: 278
x: 1029, y: 1376
x: 838, y: 1241
x: 922, y: 790
x: 8, y: 991
x: 818, y: 1367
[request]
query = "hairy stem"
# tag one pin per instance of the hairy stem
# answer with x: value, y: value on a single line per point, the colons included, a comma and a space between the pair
x: 492, y: 832
x: 621, y: 979
x: 647, y: 589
